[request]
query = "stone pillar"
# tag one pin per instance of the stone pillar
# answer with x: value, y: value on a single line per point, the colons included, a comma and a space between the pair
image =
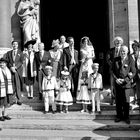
x: 5, y: 26
x: 118, y: 19
x: 133, y: 20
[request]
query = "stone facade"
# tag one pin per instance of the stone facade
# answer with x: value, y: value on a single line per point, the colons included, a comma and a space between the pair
x: 123, y: 21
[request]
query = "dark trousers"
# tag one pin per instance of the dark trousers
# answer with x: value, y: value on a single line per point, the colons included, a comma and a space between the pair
x: 74, y: 72
x: 122, y: 102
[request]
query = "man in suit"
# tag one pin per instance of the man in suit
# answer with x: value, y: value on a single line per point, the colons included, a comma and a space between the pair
x: 111, y: 54
x: 42, y: 58
x: 15, y: 59
x: 124, y: 70
x: 70, y: 59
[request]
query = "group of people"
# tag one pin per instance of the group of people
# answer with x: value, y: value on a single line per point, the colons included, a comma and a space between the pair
x: 64, y: 74
x: 124, y: 73
x: 60, y: 74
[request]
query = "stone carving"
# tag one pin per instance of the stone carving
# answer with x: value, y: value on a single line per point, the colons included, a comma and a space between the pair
x: 28, y: 11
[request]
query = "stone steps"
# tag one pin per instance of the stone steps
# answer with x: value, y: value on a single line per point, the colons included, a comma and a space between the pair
x: 29, y: 122
x: 21, y: 134
x: 89, y: 125
x: 77, y: 115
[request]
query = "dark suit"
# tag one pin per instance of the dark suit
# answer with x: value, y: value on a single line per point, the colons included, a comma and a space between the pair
x: 110, y: 58
x: 16, y: 77
x: 123, y: 70
x: 40, y: 65
x: 73, y: 69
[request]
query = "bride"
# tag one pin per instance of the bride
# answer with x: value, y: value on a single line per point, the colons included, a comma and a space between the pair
x: 87, y: 55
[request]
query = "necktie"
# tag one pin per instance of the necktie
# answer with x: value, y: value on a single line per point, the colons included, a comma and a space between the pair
x: 14, y: 55
x: 116, y: 52
x: 29, y: 66
x: 40, y: 55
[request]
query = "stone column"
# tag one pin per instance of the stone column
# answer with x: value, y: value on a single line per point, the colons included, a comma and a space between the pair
x: 5, y: 26
x: 119, y: 20
x: 133, y: 20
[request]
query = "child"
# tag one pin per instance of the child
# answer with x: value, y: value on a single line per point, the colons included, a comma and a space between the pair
x: 49, y: 88
x: 6, y: 89
x: 94, y: 86
x: 64, y: 97
x: 82, y: 93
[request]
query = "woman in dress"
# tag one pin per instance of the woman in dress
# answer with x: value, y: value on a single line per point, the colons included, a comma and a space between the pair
x: 29, y: 68
x: 87, y: 55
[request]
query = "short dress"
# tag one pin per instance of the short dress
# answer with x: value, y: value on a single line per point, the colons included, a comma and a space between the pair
x: 64, y: 96
x: 82, y: 93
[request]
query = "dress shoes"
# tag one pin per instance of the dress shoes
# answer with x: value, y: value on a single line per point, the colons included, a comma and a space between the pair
x: 19, y: 103
x: 7, y: 117
x: 127, y: 121
x: 2, y: 118
x: 53, y: 112
x: 45, y: 112
x: 92, y: 112
x: 40, y: 96
x: 99, y: 112
x: 117, y: 120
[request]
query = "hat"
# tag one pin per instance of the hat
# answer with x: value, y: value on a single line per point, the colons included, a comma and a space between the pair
x: 55, y: 43
x: 3, y: 60
x: 136, y: 43
x: 14, y: 41
x: 65, y: 71
x: 48, y: 67
x: 30, y: 42
x: 95, y: 65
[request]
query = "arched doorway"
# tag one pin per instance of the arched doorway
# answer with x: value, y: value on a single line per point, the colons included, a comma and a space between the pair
x: 88, y: 19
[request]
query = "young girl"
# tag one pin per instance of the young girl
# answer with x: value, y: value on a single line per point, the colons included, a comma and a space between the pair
x: 82, y: 93
x: 64, y: 97
x: 95, y: 84
x: 49, y: 89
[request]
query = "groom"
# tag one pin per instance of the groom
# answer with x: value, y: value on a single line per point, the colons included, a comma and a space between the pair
x: 70, y: 59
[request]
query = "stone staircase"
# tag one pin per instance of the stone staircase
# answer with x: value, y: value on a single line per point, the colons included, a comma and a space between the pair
x: 29, y: 123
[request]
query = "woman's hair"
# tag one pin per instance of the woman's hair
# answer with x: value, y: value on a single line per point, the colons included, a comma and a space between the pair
x: 83, y: 40
x: 68, y: 39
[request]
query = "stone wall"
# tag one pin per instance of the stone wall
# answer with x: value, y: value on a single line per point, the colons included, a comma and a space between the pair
x: 15, y: 22
x: 123, y: 21
x: 133, y: 20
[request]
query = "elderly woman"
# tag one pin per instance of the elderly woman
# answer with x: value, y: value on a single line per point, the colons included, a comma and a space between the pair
x: 136, y: 57
x: 55, y: 53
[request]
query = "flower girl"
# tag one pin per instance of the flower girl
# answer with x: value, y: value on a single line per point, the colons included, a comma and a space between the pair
x: 64, y: 97
x: 82, y: 92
